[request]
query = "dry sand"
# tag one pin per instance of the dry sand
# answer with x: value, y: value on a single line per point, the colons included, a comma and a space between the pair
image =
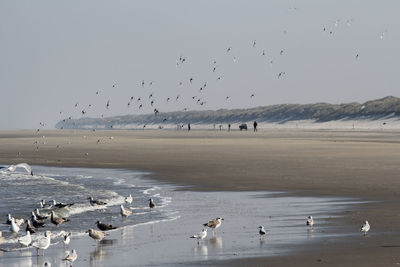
x: 363, y: 164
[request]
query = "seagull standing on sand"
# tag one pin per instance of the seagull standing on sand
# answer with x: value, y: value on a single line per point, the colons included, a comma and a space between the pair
x: 57, y: 220
x: 42, y: 243
x: 95, y: 234
x: 35, y: 222
x: 104, y: 226
x: 261, y: 231
x: 29, y: 227
x: 14, y: 227
x: 365, y: 228
x: 95, y: 201
x: 71, y: 256
x: 25, y: 240
x: 129, y: 199
x: 151, y: 203
x: 60, y: 204
x: 125, y: 212
x: 214, y: 223
x: 310, y: 221
x: 67, y: 239
x: 200, y: 235
x: 40, y: 216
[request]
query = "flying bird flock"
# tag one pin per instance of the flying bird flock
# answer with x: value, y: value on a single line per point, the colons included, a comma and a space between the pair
x: 194, y: 91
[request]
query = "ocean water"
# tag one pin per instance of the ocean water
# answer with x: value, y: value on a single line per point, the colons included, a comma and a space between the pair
x: 160, y: 236
x: 20, y: 194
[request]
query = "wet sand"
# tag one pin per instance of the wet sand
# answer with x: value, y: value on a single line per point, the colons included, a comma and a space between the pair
x: 362, y: 164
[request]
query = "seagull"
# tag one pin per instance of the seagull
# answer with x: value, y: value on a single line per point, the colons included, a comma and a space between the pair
x: 25, y: 240
x: 105, y: 226
x: 281, y: 73
x: 151, y: 203
x: 214, y: 223
x: 35, y: 222
x: 357, y: 56
x: 14, y: 227
x: 200, y: 235
x: 95, y: 234
x: 124, y: 212
x: 25, y: 166
x: 191, y: 80
x: 310, y: 221
x: 29, y: 227
x: 229, y: 49
x: 108, y: 104
x: 382, y: 35
x: 42, y: 243
x: 95, y: 201
x: 40, y: 216
x: 254, y: 43
x: 67, y: 239
x: 57, y: 220
x: 365, y: 228
x: 60, y: 204
x: 261, y: 231
x: 71, y: 257
x: 252, y: 95
x: 281, y: 53
x: 129, y: 199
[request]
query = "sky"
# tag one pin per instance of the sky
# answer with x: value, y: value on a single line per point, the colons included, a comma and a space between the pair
x: 55, y: 55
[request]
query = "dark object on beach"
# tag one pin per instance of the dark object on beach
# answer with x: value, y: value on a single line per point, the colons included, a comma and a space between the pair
x: 95, y: 201
x: 104, y: 226
x: 243, y: 126
x: 29, y: 227
x: 229, y: 127
x: 61, y: 205
x: 151, y: 203
x: 189, y: 127
x: 58, y: 220
x: 255, y: 126
x: 36, y: 223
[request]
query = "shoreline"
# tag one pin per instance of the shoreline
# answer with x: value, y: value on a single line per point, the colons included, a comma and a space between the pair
x: 330, y: 163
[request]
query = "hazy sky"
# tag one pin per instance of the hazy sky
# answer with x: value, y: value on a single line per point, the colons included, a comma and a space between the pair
x: 54, y: 54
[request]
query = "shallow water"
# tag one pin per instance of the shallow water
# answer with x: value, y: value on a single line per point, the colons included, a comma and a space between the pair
x: 161, y: 236
x: 21, y: 193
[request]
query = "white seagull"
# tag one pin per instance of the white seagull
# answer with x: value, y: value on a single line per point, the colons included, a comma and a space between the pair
x: 25, y: 240
x: 261, y: 231
x: 67, y: 239
x: 14, y: 227
x: 42, y: 243
x: 310, y: 221
x: 129, y: 199
x: 125, y: 212
x: 365, y: 228
x: 200, y: 235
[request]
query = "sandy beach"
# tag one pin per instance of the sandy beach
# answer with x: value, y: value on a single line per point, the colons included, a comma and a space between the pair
x: 356, y: 164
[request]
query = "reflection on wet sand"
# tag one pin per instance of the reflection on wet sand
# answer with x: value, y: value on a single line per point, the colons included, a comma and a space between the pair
x: 201, y: 250
x: 99, y: 254
x: 215, y: 242
x: 310, y: 232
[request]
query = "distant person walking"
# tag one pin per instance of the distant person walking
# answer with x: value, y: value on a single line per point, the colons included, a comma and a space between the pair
x: 229, y: 127
x: 188, y: 126
x: 255, y: 124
